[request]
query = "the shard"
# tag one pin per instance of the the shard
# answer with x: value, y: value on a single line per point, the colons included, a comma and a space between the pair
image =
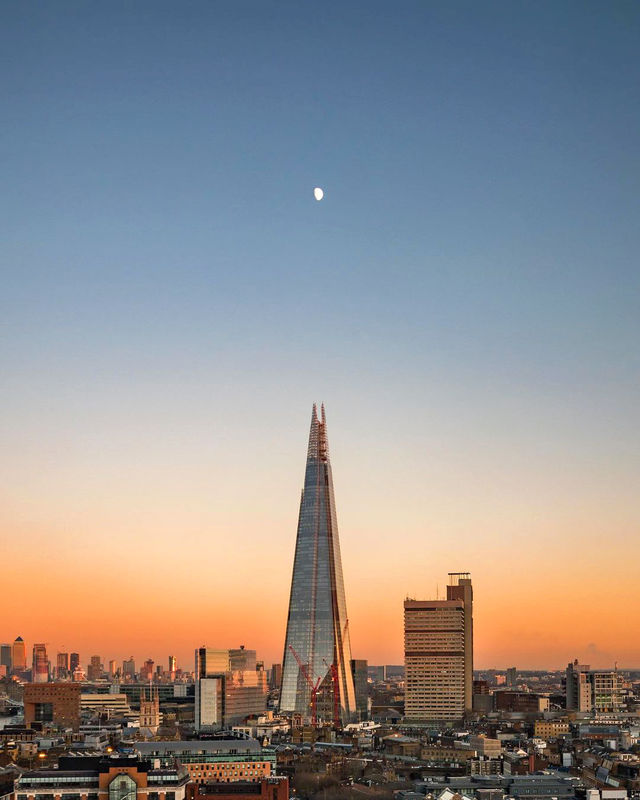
x: 317, y: 681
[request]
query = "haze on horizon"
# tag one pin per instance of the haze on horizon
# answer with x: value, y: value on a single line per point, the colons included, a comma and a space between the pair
x: 465, y: 300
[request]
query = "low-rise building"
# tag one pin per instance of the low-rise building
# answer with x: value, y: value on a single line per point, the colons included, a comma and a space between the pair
x: 550, y: 728
x: 274, y: 788
x: 214, y: 761
x: 97, y: 778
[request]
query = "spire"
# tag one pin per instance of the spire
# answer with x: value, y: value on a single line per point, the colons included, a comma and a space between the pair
x: 318, y: 449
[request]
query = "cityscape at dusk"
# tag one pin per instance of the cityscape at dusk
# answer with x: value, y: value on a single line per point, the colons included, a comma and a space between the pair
x: 320, y: 400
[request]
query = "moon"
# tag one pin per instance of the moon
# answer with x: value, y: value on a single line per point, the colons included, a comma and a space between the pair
x: 318, y: 193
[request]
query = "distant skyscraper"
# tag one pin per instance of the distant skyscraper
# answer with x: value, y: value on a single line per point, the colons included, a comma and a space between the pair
x: 129, y: 669
x: 438, y: 641
x: 316, y: 673
x: 19, y: 655
x: 146, y: 671
x: 360, y: 672
x: 94, y: 672
x: 40, y: 664
x: 62, y: 665
x: 276, y: 677
x: 5, y: 656
x: 512, y: 675
x: 172, y: 667
x: 74, y: 661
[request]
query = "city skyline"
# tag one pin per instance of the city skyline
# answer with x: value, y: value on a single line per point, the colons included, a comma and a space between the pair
x: 464, y: 299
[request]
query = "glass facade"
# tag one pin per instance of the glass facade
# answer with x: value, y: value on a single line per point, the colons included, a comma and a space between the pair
x: 316, y: 672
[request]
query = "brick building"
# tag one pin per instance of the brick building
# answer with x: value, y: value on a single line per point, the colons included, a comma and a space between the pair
x: 266, y: 789
x: 52, y: 703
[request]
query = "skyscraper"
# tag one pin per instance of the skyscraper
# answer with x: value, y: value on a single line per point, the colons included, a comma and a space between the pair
x: 5, y: 657
x: 94, y: 671
x: 317, y: 682
x: 438, y: 643
x: 62, y: 665
x: 40, y: 664
x: 19, y: 655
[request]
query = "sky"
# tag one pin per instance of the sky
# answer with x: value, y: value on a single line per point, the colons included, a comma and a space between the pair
x: 465, y: 300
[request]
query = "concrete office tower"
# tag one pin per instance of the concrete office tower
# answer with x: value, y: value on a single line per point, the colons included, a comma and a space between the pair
x: 512, y: 675
x: 40, y: 664
x: 19, y: 655
x: 438, y: 643
x: 459, y: 588
x: 173, y: 666
x: 592, y: 690
x: 74, y: 662
x: 316, y: 674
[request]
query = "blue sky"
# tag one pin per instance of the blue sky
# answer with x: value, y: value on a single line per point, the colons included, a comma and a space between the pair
x: 466, y: 298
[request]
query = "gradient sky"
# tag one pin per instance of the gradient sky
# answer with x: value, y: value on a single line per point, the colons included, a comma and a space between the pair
x: 465, y: 300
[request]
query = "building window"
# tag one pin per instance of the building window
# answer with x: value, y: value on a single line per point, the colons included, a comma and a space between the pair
x: 122, y: 787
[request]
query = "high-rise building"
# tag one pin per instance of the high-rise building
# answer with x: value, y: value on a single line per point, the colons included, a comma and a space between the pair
x: 173, y: 666
x: 40, y: 664
x: 512, y: 675
x: 276, y: 677
x: 438, y: 637
x: 316, y: 674
x: 240, y: 659
x: 360, y: 672
x: 19, y: 655
x: 592, y: 690
x: 94, y: 671
x: 62, y: 665
x: 230, y: 686
x: 5, y: 657
x: 74, y: 662
x: 129, y: 669
x: 460, y: 588
x: 146, y: 671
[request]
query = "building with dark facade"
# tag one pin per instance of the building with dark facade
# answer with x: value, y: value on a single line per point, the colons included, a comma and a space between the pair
x: 276, y: 788
x: 317, y: 682
x: 360, y: 672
